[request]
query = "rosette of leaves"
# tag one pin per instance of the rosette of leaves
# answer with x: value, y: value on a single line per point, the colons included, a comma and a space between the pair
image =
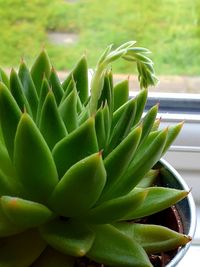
x: 76, y: 166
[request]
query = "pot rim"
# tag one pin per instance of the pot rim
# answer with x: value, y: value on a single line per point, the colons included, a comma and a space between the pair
x: 192, y: 210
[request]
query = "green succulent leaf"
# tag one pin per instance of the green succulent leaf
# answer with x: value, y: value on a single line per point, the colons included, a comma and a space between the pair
x: 121, y: 94
x: 7, y: 185
x: 6, y: 165
x: 51, y: 258
x: 163, y: 197
x: 138, y: 50
x: 4, y: 78
x: 149, y: 179
x: 32, y: 153
x: 118, y: 160
x: 173, y: 132
x: 21, y: 250
x: 80, y: 76
x: 68, y: 111
x: 148, y: 122
x: 102, y: 126
x: 80, y: 187
x: 7, y: 228
x: 18, y: 92
x: 51, y: 124
x: 45, y: 89
x: 25, y: 213
x: 40, y: 68
x: 70, y: 87
x: 129, y: 44
x: 68, y: 237
x: 156, y: 125
x: 28, y: 87
x: 104, y: 54
x: 107, y: 92
x: 141, y: 100
x: 119, y: 112
x: 146, y: 157
x: 115, y: 209
x: 153, y: 238
x: 79, y: 105
x: 9, y: 117
x: 113, y: 248
x: 83, y: 116
x: 79, y: 144
x: 107, y: 122
x: 56, y: 86
x: 123, y: 125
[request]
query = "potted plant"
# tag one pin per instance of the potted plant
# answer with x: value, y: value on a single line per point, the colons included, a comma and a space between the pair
x: 78, y: 170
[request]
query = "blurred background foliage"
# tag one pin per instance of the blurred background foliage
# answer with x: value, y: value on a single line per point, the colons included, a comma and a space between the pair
x: 169, y: 28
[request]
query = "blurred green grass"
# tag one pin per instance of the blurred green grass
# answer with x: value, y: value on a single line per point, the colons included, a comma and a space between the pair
x: 169, y: 28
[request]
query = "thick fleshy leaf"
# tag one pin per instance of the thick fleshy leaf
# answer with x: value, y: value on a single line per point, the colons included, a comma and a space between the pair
x: 79, y: 105
x: 149, y: 179
x: 28, y: 87
x: 107, y: 93
x: 141, y: 164
x: 115, y: 209
x: 118, y: 160
x: 40, y: 68
x: 121, y: 93
x: 32, y: 153
x: 56, y: 86
x: 156, y: 125
x: 68, y: 111
x: 173, y: 132
x: 69, y: 88
x: 163, y: 197
x: 153, y: 238
x: 9, y: 117
x: 45, y: 88
x: 68, y: 237
x: 141, y: 100
x: 113, y: 248
x: 53, y: 258
x: 80, y: 75
x: 7, y: 228
x: 148, y: 121
x: 83, y: 116
x: 51, y: 124
x: 123, y: 125
x: 80, y: 187
x: 21, y: 250
x: 8, y: 186
x: 100, y: 128
x: 18, y: 93
x: 119, y: 112
x: 77, y: 145
x: 4, y: 78
x: 122, y: 112
x: 25, y: 213
x: 5, y: 162
x: 107, y: 118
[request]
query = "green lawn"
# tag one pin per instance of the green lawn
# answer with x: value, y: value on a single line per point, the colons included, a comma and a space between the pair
x: 169, y: 28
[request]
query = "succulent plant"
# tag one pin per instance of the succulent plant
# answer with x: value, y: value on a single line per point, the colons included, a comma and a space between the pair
x: 77, y: 167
